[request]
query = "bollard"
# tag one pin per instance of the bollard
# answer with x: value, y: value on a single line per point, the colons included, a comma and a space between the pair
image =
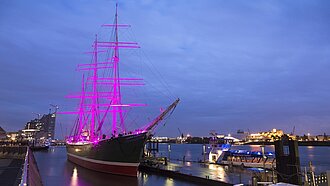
x: 254, y: 181
x: 165, y: 161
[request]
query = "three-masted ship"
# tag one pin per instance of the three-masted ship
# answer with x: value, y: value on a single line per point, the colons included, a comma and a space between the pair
x: 118, y: 151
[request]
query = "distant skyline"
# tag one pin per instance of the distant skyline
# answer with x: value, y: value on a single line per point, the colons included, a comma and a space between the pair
x: 249, y: 65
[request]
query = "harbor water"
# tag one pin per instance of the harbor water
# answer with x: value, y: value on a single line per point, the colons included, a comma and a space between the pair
x: 56, y: 170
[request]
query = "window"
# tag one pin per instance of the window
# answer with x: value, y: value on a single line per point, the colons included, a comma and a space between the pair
x: 286, y: 150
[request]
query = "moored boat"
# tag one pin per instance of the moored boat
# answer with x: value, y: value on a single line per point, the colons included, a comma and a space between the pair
x: 39, y: 145
x: 221, y: 153
x: 119, y: 155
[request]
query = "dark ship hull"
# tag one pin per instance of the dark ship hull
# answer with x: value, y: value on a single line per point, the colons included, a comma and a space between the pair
x: 120, y: 155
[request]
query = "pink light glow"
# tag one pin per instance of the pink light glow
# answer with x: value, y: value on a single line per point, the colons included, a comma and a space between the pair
x: 93, y: 68
x: 121, y: 105
x: 122, y: 84
x: 93, y: 64
x: 120, y: 42
x: 77, y: 112
x: 91, y: 93
x: 120, y: 78
x: 81, y: 96
x: 130, y: 105
x: 95, y: 142
x: 116, y: 25
x: 118, y: 46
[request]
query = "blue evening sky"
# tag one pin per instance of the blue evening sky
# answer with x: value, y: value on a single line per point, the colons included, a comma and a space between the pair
x: 251, y: 65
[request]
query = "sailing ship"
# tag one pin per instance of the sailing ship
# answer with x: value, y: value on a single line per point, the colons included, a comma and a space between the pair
x: 89, y: 145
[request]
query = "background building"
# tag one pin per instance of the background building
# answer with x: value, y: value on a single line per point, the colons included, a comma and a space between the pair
x: 2, y: 133
x: 268, y: 136
x: 43, y: 128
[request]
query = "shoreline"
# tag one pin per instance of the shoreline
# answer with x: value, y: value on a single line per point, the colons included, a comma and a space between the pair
x: 300, y: 143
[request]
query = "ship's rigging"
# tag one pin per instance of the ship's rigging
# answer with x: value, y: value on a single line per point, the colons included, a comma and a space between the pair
x: 101, y: 92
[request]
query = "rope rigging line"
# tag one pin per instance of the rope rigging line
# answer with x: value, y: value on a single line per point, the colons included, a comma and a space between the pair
x: 162, y: 79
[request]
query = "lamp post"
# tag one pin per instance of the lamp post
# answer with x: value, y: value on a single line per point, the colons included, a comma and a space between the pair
x: 169, y: 151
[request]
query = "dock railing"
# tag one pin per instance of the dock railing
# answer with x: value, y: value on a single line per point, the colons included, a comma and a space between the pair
x: 30, y: 175
x: 24, y: 179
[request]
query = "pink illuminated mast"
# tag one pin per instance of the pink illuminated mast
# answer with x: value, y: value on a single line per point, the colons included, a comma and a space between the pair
x: 100, y: 97
x: 116, y: 100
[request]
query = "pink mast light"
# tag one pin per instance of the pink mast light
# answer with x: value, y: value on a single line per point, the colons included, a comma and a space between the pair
x: 96, y: 103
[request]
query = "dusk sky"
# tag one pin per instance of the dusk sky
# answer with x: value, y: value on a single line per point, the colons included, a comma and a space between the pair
x: 249, y: 65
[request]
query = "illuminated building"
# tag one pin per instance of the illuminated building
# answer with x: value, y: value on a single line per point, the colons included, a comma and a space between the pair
x: 265, y: 136
x: 43, y: 128
x: 2, y: 133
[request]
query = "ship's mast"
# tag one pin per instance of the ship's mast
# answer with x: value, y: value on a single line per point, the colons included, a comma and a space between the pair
x: 116, y: 110
x: 94, y: 92
x: 97, y: 91
x: 81, y: 120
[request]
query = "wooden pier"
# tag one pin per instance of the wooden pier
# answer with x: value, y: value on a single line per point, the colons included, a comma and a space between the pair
x: 182, y: 176
x: 198, y: 172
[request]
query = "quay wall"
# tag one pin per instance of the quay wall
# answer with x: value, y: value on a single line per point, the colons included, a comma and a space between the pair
x: 18, y: 166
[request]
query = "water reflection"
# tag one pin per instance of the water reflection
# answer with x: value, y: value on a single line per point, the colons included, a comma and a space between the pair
x: 143, y: 178
x: 85, y: 177
x: 169, y: 182
x: 56, y: 170
x: 74, y: 177
x: 188, y: 154
x: 218, y: 172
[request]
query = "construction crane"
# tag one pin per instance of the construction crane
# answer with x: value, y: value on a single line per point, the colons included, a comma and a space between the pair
x: 55, y: 106
x: 181, y: 134
x: 293, y: 130
x: 37, y: 115
x: 213, y: 133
